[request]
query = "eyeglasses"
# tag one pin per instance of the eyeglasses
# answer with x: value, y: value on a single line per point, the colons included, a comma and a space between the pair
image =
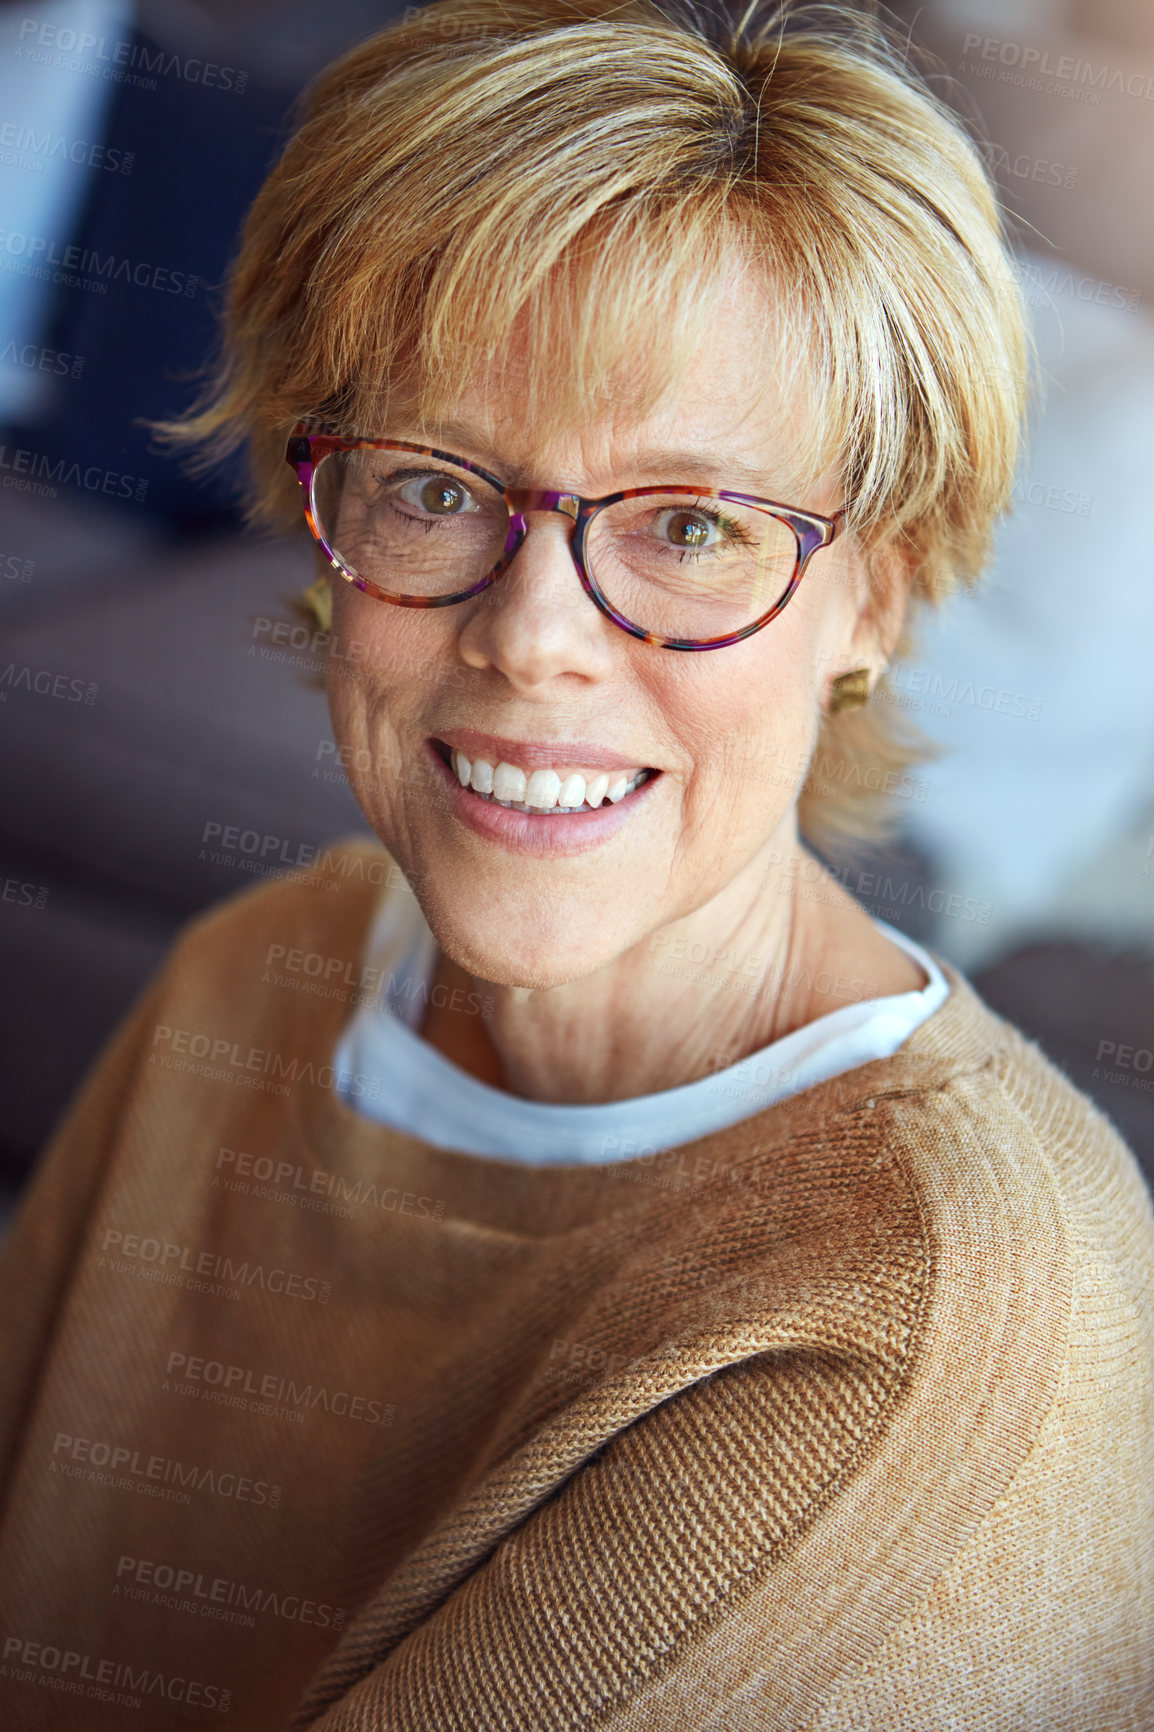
x: 679, y: 568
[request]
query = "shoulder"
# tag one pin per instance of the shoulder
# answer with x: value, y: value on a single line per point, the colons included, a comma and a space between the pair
x: 323, y: 909
x: 984, y: 1120
x: 831, y: 1422
x: 278, y: 965
x: 1035, y: 1221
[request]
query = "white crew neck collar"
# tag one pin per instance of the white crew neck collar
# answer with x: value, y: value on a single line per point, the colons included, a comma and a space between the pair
x: 398, y: 1079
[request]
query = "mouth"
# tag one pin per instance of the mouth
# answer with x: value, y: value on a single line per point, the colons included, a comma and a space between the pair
x: 540, y: 799
x: 559, y: 790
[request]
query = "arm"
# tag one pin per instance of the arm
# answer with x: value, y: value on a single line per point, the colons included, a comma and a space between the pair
x: 736, y: 1559
x: 49, y: 1225
x: 873, y: 1501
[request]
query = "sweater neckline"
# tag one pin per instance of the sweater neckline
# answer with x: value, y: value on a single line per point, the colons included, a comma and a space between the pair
x: 464, y: 1114
x: 956, y: 1037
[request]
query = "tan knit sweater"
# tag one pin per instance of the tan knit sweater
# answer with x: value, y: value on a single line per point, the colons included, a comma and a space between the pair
x: 839, y: 1418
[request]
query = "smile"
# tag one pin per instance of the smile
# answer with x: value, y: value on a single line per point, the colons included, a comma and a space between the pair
x: 543, y: 792
x: 505, y: 790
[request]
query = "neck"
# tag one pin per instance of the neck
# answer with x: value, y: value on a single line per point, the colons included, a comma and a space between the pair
x: 780, y: 946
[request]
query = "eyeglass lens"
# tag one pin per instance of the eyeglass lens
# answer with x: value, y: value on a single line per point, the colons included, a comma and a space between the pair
x: 677, y: 565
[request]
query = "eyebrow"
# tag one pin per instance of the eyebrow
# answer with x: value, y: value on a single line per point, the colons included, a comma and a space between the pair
x: 687, y: 466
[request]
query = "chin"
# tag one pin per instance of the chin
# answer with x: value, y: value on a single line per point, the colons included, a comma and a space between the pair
x: 557, y: 952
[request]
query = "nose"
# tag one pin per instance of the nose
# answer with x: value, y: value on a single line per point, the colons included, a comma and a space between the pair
x: 527, y: 504
x: 536, y: 624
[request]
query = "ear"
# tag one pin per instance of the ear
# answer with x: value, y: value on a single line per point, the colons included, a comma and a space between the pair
x: 886, y: 580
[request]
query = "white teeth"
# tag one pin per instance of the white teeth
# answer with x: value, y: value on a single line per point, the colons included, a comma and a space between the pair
x: 544, y: 789
x: 509, y: 783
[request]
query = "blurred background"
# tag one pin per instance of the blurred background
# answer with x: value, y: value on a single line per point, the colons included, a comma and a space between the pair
x: 163, y: 738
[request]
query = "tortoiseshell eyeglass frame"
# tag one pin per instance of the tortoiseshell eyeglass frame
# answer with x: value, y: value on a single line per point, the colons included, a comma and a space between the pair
x: 307, y: 450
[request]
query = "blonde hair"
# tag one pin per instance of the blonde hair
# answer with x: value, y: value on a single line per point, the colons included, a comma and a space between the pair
x: 589, y: 166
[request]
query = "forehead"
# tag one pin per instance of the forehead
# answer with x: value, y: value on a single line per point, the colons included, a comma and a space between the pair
x: 591, y: 389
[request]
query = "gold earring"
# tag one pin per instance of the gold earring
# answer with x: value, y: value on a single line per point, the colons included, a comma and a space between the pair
x: 849, y: 691
x: 317, y: 599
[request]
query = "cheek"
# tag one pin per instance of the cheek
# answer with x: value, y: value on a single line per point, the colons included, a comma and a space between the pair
x: 403, y: 655
x: 755, y: 721
x: 392, y: 642
x: 366, y: 695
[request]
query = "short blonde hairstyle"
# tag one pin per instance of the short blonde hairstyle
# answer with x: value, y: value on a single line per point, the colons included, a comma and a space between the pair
x: 450, y: 172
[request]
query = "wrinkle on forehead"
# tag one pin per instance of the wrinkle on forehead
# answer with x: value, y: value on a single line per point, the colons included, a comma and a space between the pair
x: 613, y: 358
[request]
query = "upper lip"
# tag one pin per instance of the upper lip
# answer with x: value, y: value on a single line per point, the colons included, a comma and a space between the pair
x: 537, y: 754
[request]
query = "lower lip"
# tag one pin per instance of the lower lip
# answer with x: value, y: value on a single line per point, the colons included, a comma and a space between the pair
x: 567, y: 833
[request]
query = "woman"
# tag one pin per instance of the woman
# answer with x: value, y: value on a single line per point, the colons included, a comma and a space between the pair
x: 575, y: 1266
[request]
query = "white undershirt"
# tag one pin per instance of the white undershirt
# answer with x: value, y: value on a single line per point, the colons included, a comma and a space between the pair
x: 393, y: 1076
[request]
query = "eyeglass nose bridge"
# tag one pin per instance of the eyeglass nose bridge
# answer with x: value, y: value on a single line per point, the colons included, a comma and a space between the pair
x: 520, y: 502
x: 523, y: 499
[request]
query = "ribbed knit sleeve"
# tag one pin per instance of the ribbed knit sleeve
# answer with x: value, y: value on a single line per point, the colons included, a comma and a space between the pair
x: 47, y: 1233
x: 899, y: 1490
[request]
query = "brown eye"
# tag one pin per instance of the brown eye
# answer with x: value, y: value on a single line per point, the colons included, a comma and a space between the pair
x: 442, y: 496
x: 687, y: 529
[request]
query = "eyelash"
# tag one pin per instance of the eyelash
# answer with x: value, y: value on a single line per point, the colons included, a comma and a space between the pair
x: 406, y: 475
x: 735, y: 535
x: 425, y: 523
